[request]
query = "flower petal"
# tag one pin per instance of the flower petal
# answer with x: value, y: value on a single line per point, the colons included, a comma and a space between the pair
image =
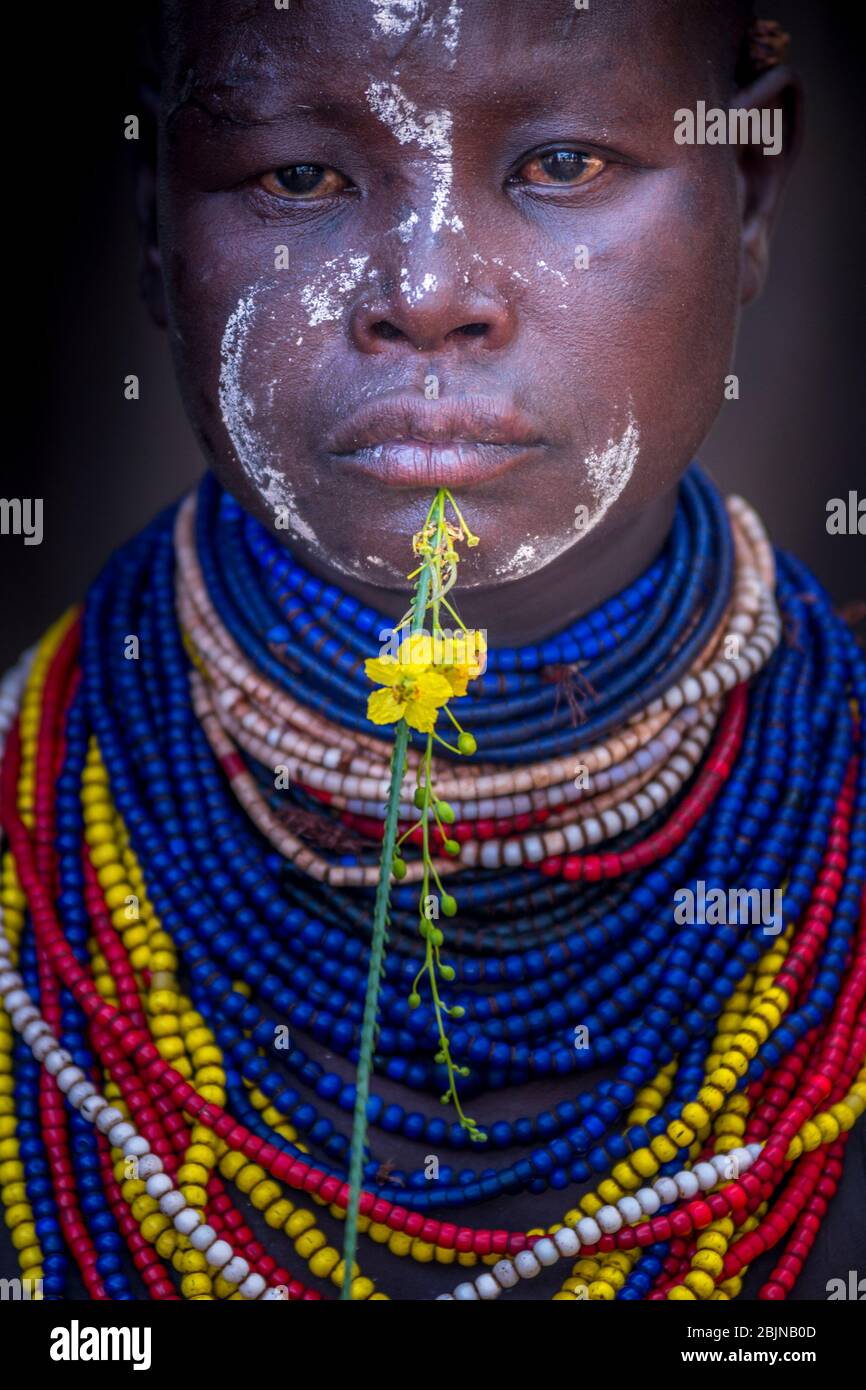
x: 422, y: 715
x: 433, y: 687
x: 384, y: 708
x: 458, y: 679
x: 383, y: 669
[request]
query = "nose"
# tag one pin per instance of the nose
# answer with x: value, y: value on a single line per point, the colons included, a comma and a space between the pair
x: 435, y: 307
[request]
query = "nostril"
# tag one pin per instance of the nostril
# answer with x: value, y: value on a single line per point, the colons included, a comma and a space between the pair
x: 386, y: 330
x: 474, y: 330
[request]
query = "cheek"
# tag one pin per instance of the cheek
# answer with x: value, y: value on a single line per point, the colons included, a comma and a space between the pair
x: 663, y: 301
x: 251, y: 359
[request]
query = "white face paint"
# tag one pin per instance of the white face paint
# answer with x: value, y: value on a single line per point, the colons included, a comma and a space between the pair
x: 608, y: 471
x: 406, y: 228
x: 430, y: 130
x: 451, y: 26
x: 515, y: 274
x: 542, y: 265
x: 416, y: 293
x: 323, y: 297
x: 248, y: 430
x: 523, y: 561
x: 396, y: 17
x: 239, y: 415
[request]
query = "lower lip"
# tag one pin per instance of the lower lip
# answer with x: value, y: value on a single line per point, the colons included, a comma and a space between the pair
x: 408, y: 463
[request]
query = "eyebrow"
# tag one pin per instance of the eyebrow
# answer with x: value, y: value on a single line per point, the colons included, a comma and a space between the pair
x: 212, y: 102
x: 350, y: 116
x: 237, y: 100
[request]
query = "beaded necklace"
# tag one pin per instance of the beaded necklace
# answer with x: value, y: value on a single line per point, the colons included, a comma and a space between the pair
x: 168, y: 907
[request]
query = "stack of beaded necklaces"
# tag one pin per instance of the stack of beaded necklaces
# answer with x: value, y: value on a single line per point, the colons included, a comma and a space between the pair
x: 168, y: 902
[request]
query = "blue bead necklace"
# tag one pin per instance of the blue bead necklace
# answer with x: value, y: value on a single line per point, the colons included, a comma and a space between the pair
x: 644, y: 989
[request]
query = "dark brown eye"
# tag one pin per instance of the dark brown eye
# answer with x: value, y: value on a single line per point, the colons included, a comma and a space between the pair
x: 567, y: 168
x: 303, y: 181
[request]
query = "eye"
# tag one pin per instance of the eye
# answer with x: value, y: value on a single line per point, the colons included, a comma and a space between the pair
x: 304, y: 181
x: 563, y: 168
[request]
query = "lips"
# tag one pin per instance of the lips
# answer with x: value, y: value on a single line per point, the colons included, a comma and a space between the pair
x: 408, y: 441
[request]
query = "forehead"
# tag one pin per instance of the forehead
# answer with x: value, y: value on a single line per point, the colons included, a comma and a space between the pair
x: 244, y: 56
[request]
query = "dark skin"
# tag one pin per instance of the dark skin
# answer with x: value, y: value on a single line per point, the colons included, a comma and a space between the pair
x: 627, y: 355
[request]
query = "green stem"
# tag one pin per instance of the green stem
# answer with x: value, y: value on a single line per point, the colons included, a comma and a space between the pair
x: 377, y: 958
x: 371, y: 1005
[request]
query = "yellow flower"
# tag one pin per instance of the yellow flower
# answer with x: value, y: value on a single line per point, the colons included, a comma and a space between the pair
x: 459, y: 657
x: 412, y: 691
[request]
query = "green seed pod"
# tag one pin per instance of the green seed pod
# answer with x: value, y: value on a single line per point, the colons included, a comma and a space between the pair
x: 419, y: 798
x: 458, y: 1011
x: 398, y: 868
x: 448, y: 905
x: 414, y: 1000
x: 447, y: 972
x: 446, y: 812
x: 467, y: 744
x: 452, y: 847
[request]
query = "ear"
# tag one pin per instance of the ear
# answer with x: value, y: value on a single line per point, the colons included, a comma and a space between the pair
x: 150, y: 271
x: 762, y: 176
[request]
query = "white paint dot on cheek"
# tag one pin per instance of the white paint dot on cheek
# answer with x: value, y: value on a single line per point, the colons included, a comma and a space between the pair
x: 324, y: 297
x: 530, y: 556
x: 522, y: 561
x: 515, y: 274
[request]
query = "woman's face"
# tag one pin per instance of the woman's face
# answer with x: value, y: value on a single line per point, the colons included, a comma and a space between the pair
x: 408, y: 243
